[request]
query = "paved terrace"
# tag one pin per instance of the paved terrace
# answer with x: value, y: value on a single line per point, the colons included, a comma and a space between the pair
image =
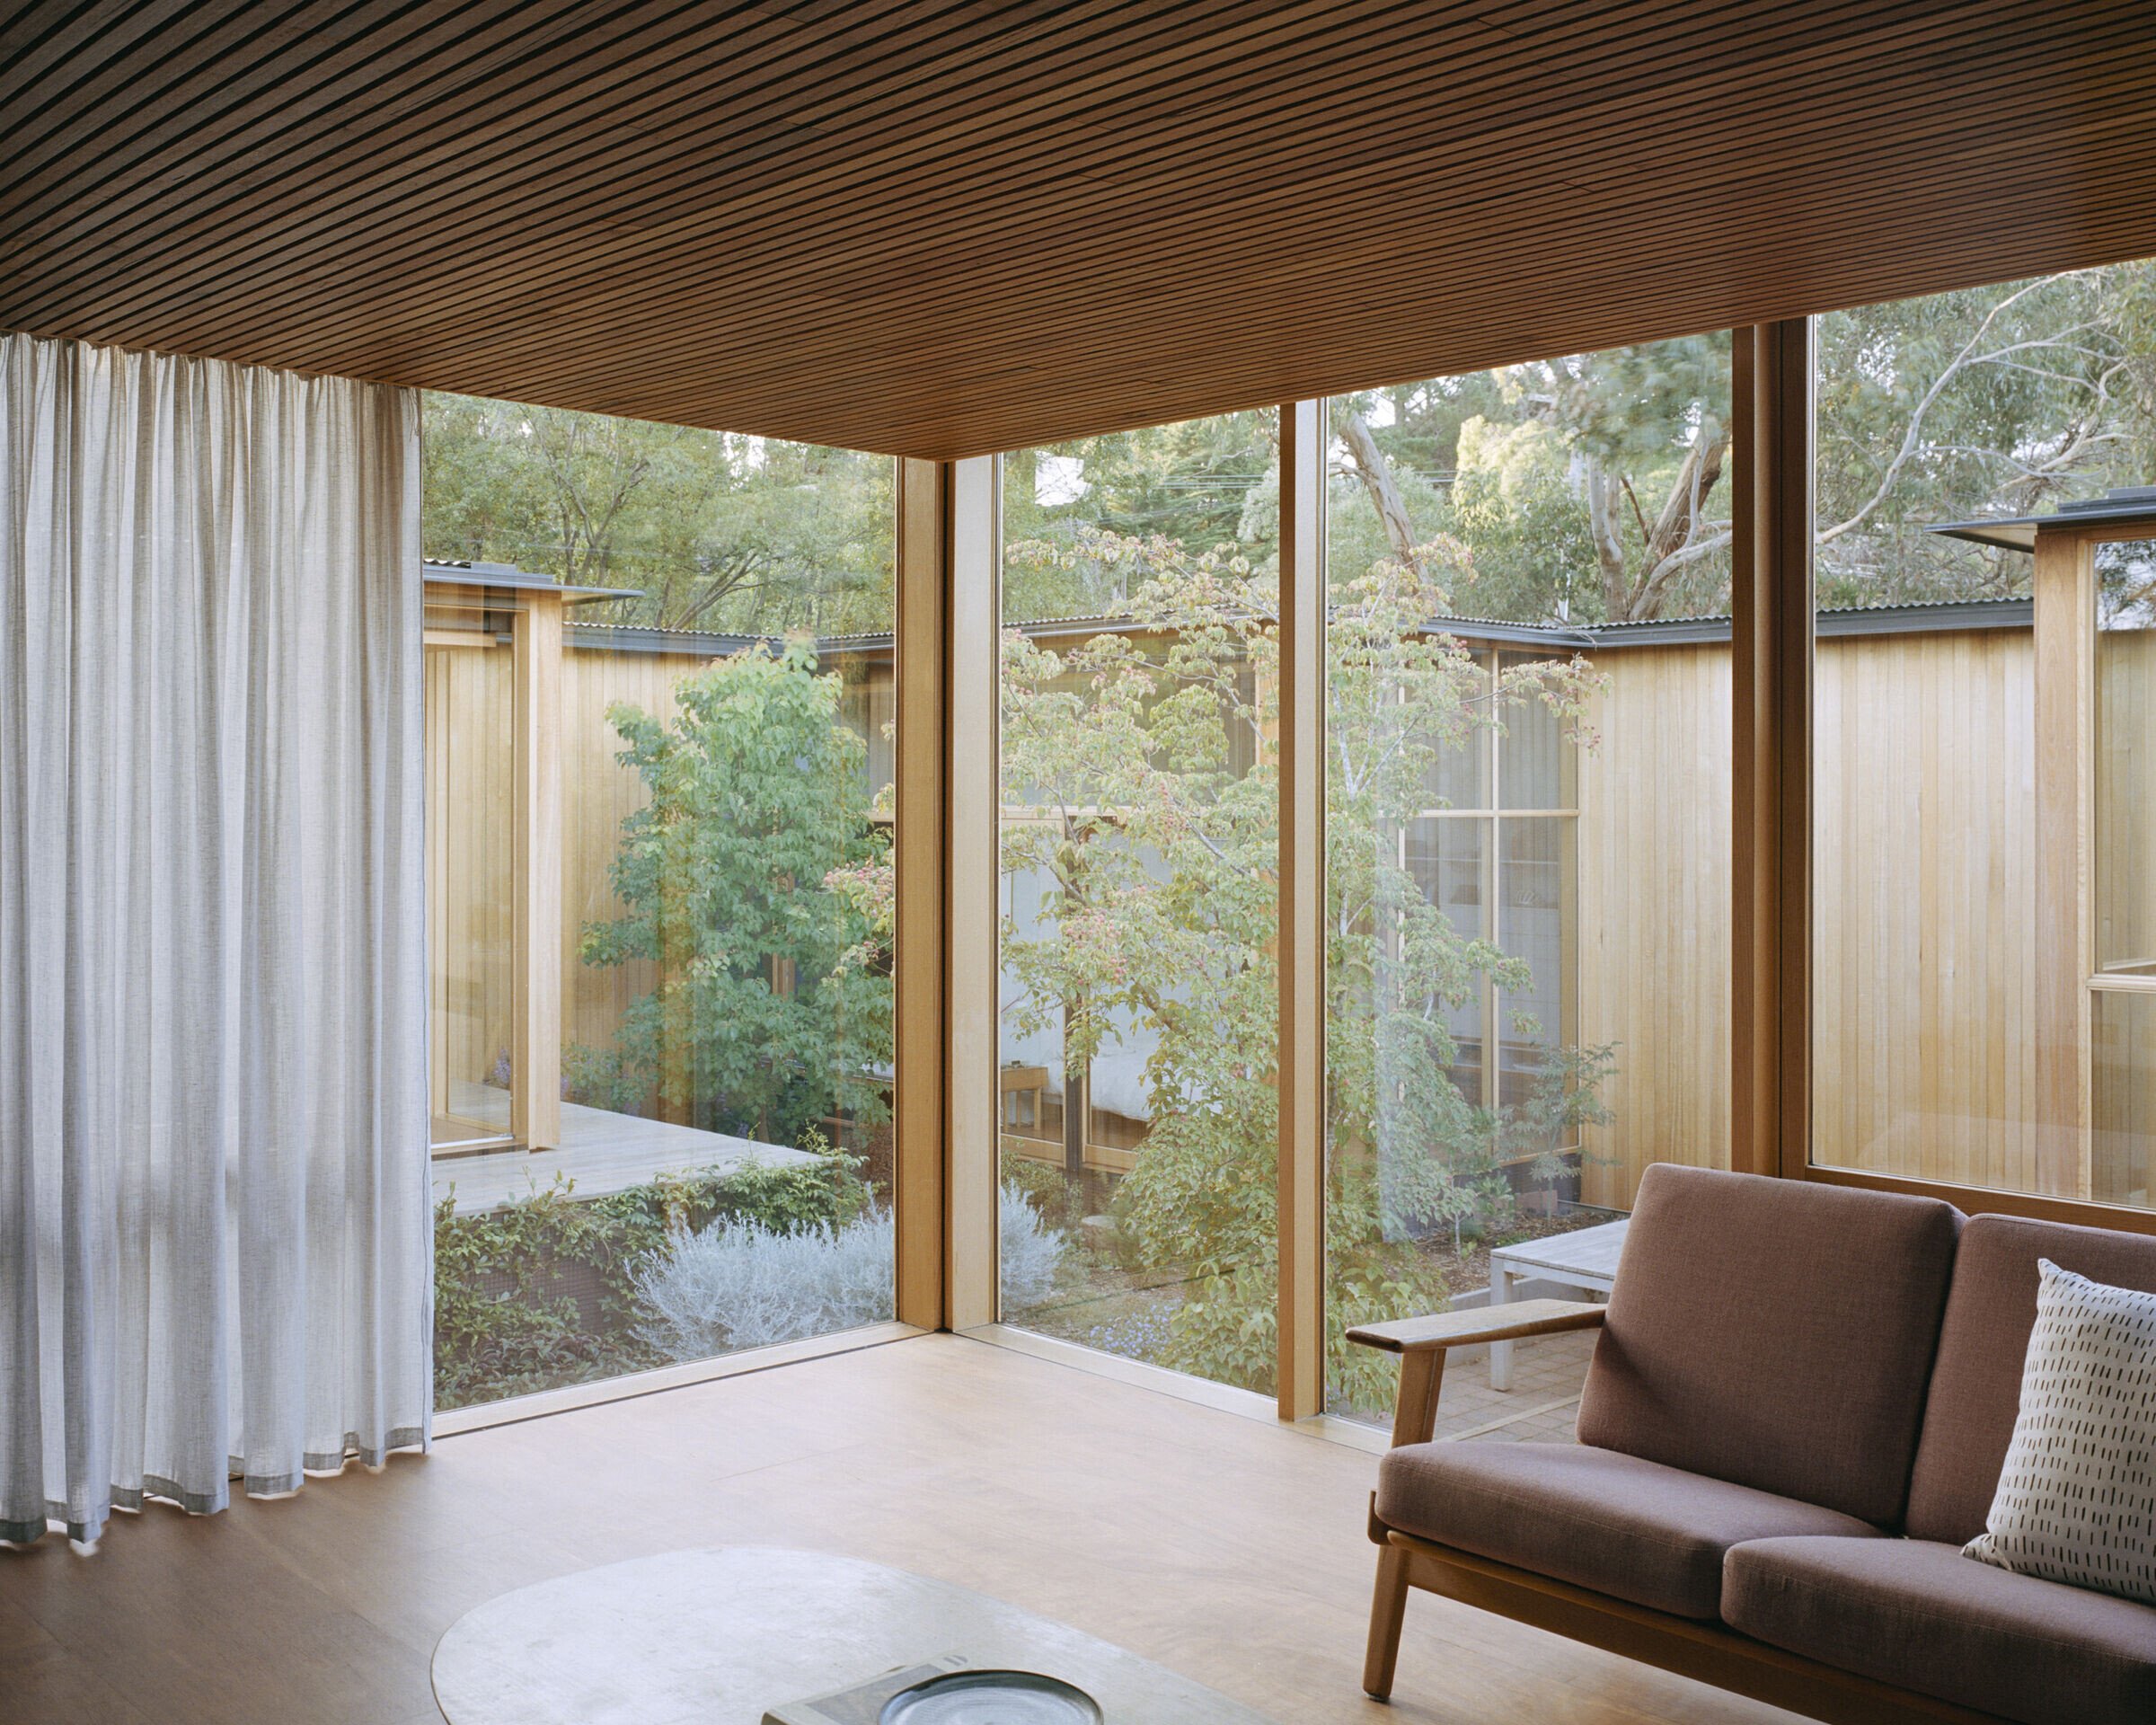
x: 600, y: 1151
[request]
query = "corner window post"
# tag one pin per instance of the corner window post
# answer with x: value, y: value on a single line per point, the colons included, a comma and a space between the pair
x: 1302, y: 874
x: 1771, y: 606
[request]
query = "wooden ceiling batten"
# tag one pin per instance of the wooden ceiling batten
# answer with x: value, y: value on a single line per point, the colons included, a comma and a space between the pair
x: 859, y: 288
x: 542, y: 192
x: 1158, y: 315
x: 942, y: 229
x: 1971, y: 176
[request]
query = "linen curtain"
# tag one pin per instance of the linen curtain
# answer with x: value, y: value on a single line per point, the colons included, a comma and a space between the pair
x: 214, y: 1231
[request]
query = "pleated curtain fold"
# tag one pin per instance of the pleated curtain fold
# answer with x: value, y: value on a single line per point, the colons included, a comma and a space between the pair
x: 215, y: 1230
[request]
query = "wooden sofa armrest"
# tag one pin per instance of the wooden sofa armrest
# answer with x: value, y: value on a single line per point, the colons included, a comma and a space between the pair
x: 1491, y: 1323
x: 1421, y: 1344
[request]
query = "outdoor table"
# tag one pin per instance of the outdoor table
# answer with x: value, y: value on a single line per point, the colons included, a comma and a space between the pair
x: 1584, y: 1259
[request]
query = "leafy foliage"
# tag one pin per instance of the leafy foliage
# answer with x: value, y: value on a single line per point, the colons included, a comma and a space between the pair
x: 507, y: 1315
x: 753, y: 879
x: 1152, y: 776
x: 1199, y: 483
x: 1030, y: 1252
x: 737, y: 1285
x: 1993, y: 400
x: 740, y: 1283
x: 1592, y: 488
x: 1588, y: 485
x: 717, y: 531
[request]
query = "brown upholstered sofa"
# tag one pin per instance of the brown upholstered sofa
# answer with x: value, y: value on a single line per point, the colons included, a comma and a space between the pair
x: 1798, y: 1408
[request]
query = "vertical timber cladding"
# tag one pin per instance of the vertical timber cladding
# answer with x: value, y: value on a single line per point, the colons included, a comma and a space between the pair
x: 2065, y: 614
x: 535, y: 884
x: 1924, y: 1046
x: 1653, y: 918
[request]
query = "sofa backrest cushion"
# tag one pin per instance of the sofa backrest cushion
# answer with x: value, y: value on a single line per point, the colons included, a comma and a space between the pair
x: 1776, y: 1333
x: 1976, y: 1382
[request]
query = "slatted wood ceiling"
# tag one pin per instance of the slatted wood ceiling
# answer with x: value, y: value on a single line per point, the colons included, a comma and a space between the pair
x: 943, y: 229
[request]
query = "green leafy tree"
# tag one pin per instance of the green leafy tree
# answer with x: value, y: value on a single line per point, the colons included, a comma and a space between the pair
x: 714, y: 530
x: 1197, y: 482
x: 1992, y: 401
x: 757, y: 884
x: 1595, y: 488
x: 1147, y: 763
x: 1589, y: 487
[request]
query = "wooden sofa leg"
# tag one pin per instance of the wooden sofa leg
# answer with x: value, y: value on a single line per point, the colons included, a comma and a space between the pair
x: 1387, y: 1607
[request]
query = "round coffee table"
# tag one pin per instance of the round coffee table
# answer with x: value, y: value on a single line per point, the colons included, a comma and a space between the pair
x: 721, y: 1637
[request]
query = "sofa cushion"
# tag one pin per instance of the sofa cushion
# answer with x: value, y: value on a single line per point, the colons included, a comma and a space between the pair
x: 1595, y: 1518
x: 1919, y: 1615
x: 1776, y: 1333
x: 1976, y: 1382
x: 2077, y: 1497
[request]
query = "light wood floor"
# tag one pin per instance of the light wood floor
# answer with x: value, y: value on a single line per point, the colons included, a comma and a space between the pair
x: 1223, y: 1546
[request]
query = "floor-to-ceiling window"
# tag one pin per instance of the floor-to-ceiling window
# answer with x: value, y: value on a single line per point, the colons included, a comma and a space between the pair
x: 1981, y: 784
x: 674, y: 809
x: 1527, y: 742
x: 1139, y: 837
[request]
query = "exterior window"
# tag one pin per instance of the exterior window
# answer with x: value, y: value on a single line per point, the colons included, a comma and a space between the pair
x: 2122, y: 1004
x: 470, y: 865
x: 1139, y: 995
x: 1981, y: 786
x: 1528, y: 830
x: 661, y: 801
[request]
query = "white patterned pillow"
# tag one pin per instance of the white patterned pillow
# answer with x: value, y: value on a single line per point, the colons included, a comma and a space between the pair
x: 2077, y: 1497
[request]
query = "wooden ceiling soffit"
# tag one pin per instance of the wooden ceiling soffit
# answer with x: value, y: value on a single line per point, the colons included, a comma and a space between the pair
x: 940, y: 229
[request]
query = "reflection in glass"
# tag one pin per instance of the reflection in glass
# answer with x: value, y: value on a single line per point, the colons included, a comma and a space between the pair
x: 1527, y: 828
x: 2121, y: 1094
x: 1535, y: 760
x: 721, y: 1176
x: 1534, y: 874
x: 1448, y: 859
x: 1139, y: 850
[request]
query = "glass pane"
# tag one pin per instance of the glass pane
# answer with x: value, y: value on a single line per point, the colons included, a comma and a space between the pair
x: 1997, y: 400
x: 1949, y: 990
x: 1138, y: 854
x: 1535, y: 762
x: 1525, y: 1010
x: 2125, y: 758
x: 2123, y: 1096
x: 722, y: 1174
x: 1536, y: 885
x: 469, y: 859
x: 1448, y: 861
x: 1461, y: 765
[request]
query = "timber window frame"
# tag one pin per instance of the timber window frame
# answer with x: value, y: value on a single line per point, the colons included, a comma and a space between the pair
x: 1773, y: 630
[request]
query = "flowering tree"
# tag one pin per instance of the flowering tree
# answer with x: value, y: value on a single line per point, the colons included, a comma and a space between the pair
x: 1146, y: 764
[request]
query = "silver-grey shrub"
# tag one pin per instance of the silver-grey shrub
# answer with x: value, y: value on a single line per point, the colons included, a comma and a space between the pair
x: 1031, y: 1251
x: 739, y: 1285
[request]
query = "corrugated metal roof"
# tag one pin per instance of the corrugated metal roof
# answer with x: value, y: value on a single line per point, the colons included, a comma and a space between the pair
x: 443, y: 571
x: 1934, y: 616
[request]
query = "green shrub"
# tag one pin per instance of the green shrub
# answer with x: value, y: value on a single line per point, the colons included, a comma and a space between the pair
x: 505, y: 1323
